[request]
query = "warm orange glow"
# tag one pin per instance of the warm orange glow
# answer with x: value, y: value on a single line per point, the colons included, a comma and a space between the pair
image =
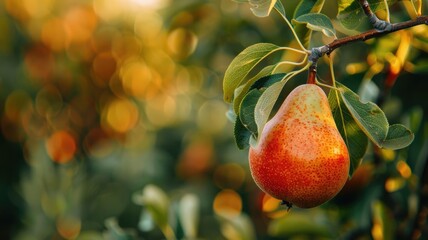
x: 108, y: 9
x: 103, y: 66
x: 61, y: 146
x: 182, y: 42
x: 121, y: 115
x: 126, y: 46
x: 39, y: 62
x: 353, y: 68
x: 404, y: 169
x: 148, y: 27
x: 81, y: 22
x: 196, y: 159
x: 377, y: 231
x: 68, y: 227
x: 54, y: 34
x: 270, y: 203
x: 394, y: 184
x: 137, y: 78
x: 272, y: 207
x: 227, y: 202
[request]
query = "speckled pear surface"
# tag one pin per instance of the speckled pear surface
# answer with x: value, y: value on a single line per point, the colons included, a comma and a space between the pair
x: 301, y: 157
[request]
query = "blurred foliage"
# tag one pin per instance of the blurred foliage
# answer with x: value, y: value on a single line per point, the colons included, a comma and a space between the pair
x: 113, y: 126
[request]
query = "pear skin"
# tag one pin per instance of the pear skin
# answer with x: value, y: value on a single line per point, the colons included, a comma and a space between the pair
x: 301, y: 157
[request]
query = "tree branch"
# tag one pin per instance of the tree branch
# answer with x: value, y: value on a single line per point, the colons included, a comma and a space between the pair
x: 318, y: 52
x: 378, y: 24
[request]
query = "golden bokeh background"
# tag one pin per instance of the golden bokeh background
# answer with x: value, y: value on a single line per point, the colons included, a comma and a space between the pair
x: 113, y: 124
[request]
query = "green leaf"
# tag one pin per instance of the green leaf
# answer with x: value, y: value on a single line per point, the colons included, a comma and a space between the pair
x: 156, y: 202
x: 280, y: 8
x: 242, y: 134
x: 308, y: 6
x: 398, y: 137
x: 372, y: 121
x: 260, y: 8
x: 304, y: 7
x: 247, y: 126
x: 246, y: 113
x: 265, y: 104
x: 368, y: 116
x: 242, y: 64
x: 243, y: 89
x: 354, y: 137
x: 267, y: 81
x: 317, y: 22
x: 350, y: 13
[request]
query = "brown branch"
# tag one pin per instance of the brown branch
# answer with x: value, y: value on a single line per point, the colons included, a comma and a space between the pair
x: 378, y: 24
x: 318, y: 52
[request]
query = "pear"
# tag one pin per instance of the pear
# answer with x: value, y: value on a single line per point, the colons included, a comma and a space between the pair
x: 301, y: 157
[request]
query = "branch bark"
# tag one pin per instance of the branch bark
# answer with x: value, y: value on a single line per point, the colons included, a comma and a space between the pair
x: 378, y: 24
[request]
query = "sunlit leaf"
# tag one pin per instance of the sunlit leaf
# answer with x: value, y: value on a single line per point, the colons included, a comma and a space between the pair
x: 368, y: 116
x: 354, y: 137
x: 242, y: 64
x: 243, y: 89
x: 305, y: 7
x: 260, y: 8
x: 247, y: 109
x: 398, y: 137
x: 280, y: 8
x: 265, y: 104
x: 308, y: 6
x: 317, y: 22
x: 372, y: 121
x: 156, y: 202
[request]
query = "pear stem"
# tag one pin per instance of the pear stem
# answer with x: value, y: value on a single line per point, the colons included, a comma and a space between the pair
x: 312, y: 74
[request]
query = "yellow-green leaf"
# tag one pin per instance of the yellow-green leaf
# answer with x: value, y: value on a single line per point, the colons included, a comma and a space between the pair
x: 242, y: 64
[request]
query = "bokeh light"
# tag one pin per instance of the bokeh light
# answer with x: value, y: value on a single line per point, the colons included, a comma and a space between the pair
x: 227, y: 203
x: 120, y: 115
x: 61, y: 146
x: 103, y: 97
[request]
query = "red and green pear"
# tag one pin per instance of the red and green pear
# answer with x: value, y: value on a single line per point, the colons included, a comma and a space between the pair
x: 300, y: 156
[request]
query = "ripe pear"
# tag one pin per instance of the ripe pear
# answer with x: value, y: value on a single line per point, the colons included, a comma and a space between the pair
x: 301, y: 157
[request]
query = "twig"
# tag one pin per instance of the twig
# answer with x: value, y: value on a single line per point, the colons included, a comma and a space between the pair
x: 318, y: 52
x: 378, y: 24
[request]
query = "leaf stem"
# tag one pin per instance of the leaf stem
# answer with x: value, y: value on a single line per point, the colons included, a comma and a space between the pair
x: 387, y: 11
x: 294, y: 33
x: 305, y: 52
